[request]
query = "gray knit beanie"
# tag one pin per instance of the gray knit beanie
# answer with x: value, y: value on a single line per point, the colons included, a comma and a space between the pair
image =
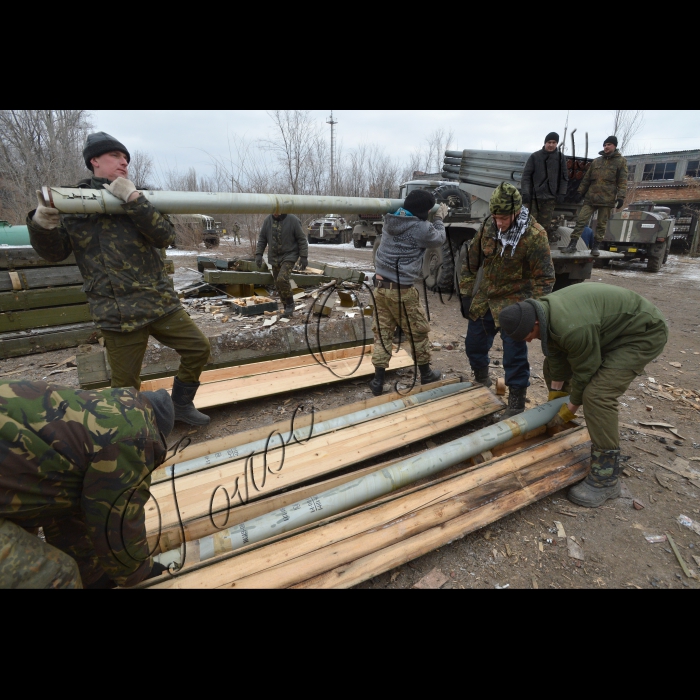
x: 517, y: 320
x: 99, y: 143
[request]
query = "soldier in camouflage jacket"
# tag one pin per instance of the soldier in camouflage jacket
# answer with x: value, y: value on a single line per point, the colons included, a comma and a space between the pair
x: 78, y: 463
x: 517, y: 265
x: 130, y: 295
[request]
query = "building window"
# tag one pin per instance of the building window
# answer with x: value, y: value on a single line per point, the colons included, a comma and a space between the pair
x: 659, y: 171
x: 630, y: 172
x: 693, y: 169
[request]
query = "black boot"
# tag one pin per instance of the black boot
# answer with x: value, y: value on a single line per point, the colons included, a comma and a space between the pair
x: 602, y: 483
x: 595, y: 248
x: 516, y: 401
x: 288, y: 309
x: 481, y: 375
x: 377, y: 384
x: 571, y: 248
x: 428, y: 376
x: 183, y: 401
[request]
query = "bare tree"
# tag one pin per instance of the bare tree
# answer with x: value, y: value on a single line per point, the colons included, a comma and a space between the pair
x: 438, y: 142
x: 39, y: 147
x: 626, y: 124
x: 141, y: 170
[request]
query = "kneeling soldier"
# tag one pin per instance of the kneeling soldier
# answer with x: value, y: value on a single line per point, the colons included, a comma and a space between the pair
x: 596, y: 339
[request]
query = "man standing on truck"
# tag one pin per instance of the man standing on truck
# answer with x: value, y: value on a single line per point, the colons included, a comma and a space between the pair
x: 286, y: 242
x: 596, y: 339
x: 406, y: 235
x: 78, y: 464
x: 603, y: 187
x: 508, y: 261
x: 130, y: 295
x: 545, y: 179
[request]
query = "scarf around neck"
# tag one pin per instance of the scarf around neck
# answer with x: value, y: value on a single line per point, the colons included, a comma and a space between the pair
x: 512, y: 236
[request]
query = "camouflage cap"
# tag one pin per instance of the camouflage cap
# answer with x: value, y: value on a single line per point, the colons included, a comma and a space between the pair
x: 506, y: 200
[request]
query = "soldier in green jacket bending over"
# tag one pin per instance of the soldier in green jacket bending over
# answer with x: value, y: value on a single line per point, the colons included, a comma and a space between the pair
x: 596, y: 339
x: 130, y: 295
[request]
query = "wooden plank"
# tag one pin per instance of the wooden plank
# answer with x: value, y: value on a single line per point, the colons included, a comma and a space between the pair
x: 42, y: 277
x: 41, y: 298
x: 16, y: 257
x: 321, y: 455
x: 42, y: 318
x: 260, y: 278
x: 17, y: 344
x: 373, y: 519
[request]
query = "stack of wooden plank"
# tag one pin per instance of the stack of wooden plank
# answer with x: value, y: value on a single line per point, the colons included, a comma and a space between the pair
x: 42, y: 306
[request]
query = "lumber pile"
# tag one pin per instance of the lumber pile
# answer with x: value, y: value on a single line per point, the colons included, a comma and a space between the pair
x: 256, y: 486
x: 42, y: 305
x: 357, y: 545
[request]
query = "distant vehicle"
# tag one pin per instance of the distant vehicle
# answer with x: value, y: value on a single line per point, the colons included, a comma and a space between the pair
x: 193, y: 229
x: 332, y: 228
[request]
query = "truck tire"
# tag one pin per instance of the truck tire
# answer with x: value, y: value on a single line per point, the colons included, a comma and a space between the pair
x: 562, y: 280
x: 451, y: 195
x: 359, y: 242
x: 654, y: 262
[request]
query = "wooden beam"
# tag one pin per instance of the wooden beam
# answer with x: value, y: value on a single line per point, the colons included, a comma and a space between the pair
x: 260, y: 278
x: 41, y: 298
x: 41, y: 277
x: 41, y: 318
x: 17, y: 257
x: 19, y: 343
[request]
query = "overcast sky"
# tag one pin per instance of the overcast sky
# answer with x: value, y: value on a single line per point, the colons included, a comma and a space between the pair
x: 183, y: 138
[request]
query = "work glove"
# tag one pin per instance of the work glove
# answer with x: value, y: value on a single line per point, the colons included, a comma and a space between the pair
x: 121, y: 188
x: 619, y: 203
x: 156, y: 570
x: 466, y: 303
x: 303, y: 262
x: 562, y: 418
x: 46, y: 217
x: 258, y: 260
x: 556, y: 394
x: 442, y: 212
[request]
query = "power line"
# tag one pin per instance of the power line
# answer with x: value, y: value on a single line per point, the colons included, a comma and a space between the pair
x: 332, y: 122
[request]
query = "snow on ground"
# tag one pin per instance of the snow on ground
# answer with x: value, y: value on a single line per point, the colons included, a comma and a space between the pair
x: 176, y: 252
x: 333, y: 246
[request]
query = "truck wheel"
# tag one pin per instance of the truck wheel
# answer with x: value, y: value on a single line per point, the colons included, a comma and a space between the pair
x: 375, y: 245
x: 562, y: 280
x: 359, y: 242
x: 451, y: 195
x: 439, y: 268
x: 655, y: 258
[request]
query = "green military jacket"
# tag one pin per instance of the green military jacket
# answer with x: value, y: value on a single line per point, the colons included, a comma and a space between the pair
x: 598, y: 325
x: 285, y: 240
x: 78, y: 463
x: 605, y: 180
x: 119, y: 258
x: 526, y: 274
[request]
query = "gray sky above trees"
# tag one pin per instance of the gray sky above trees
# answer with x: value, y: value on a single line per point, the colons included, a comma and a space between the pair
x: 183, y: 138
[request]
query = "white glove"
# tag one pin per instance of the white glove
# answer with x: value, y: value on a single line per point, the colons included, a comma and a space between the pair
x: 46, y: 217
x: 121, y: 188
x: 442, y: 212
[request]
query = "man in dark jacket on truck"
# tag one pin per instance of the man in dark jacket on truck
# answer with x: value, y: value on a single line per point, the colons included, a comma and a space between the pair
x: 545, y: 179
x: 120, y: 258
x: 513, y: 253
x: 596, y: 339
x: 78, y: 464
x: 286, y: 242
x: 603, y: 187
x: 406, y: 235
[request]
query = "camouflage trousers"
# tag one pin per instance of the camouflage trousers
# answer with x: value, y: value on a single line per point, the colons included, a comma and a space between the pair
x: 27, y: 562
x: 584, y: 217
x: 542, y: 212
x: 281, y: 274
x: 409, y: 316
x: 178, y: 331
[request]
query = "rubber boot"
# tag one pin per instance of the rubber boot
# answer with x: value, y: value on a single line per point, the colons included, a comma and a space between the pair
x: 183, y: 401
x: 288, y: 309
x: 377, y: 384
x: 516, y: 401
x: 595, y: 248
x: 603, y: 481
x: 481, y: 375
x: 571, y: 248
x: 428, y: 376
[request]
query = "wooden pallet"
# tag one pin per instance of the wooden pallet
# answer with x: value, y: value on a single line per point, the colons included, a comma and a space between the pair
x: 20, y: 343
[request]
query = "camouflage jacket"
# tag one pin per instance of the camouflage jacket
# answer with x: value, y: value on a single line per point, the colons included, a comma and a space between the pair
x: 605, y: 180
x: 526, y: 274
x: 78, y: 463
x: 119, y: 258
x: 284, y: 239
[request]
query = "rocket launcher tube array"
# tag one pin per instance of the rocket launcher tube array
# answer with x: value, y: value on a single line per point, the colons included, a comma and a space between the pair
x: 370, y: 486
x: 76, y: 200
x: 301, y: 435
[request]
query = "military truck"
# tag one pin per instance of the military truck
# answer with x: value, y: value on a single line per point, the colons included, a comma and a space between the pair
x: 331, y: 228
x: 366, y: 229
x: 193, y: 229
x: 642, y: 231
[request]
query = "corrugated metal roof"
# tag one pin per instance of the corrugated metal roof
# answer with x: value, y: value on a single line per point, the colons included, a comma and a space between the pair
x: 660, y: 185
x: 663, y: 153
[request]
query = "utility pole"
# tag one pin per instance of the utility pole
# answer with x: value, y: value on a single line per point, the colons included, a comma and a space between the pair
x: 332, y: 122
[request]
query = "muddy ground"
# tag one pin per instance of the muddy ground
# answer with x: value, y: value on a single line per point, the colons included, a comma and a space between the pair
x: 523, y: 550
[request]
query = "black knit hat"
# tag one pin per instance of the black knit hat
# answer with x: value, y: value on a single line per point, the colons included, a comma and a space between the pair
x: 99, y: 143
x: 419, y: 203
x: 552, y: 136
x: 517, y: 320
x: 612, y: 140
x: 162, y: 406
